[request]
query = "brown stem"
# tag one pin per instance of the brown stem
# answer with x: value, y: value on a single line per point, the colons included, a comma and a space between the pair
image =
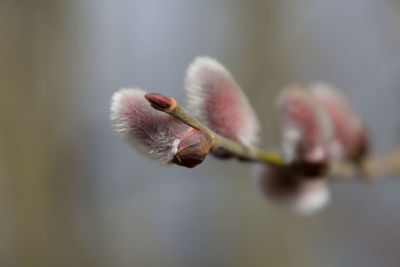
x: 371, y: 169
x: 170, y: 106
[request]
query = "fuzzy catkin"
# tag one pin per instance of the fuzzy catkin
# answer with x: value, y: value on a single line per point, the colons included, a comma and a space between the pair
x: 153, y: 133
x: 215, y: 98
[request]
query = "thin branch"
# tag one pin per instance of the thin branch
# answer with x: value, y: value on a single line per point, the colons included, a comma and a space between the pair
x: 235, y: 148
x: 371, y: 169
x: 170, y: 106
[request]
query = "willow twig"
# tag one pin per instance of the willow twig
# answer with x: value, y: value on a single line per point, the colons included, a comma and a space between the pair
x: 170, y: 106
x: 371, y: 168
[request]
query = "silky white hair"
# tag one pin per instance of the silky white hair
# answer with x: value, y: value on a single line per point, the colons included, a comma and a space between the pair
x: 314, y: 198
x: 214, y: 97
x: 153, y: 133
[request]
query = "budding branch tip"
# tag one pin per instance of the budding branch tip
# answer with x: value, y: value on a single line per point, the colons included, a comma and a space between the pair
x: 161, y: 102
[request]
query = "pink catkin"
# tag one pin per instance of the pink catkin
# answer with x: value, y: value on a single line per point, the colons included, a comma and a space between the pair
x: 305, y: 127
x: 151, y: 132
x: 300, y: 194
x: 350, y: 135
x: 214, y: 97
x: 306, y: 133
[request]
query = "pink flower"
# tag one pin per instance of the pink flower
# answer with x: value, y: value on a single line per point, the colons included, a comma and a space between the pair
x: 301, y: 194
x: 350, y: 136
x: 214, y: 97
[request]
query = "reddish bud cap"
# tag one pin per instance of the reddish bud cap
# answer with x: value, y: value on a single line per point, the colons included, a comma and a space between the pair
x: 159, y: 101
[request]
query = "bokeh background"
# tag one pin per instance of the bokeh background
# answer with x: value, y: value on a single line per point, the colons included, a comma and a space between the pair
x: 72, y: 193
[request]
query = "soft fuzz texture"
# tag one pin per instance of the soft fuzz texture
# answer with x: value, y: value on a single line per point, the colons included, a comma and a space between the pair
x: 306, y: 133
x: 300, y: 194
x: 350, y: 136
x: 214, y: 97
x: 305, y: 127
x: 151, y: 132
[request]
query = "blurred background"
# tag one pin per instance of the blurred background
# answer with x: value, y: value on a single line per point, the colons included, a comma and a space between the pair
x: 72, y: 193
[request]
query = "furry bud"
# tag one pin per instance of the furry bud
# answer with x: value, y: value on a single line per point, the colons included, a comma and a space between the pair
x: 214, y: 97
x: 149, y: 131
x: 294, y: 191
x: 351, y: 139
x: 306, y: 130
x: 193, y: 147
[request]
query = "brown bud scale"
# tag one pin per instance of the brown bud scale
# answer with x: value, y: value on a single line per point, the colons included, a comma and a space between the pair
x: 193, y: 148
x: 160, y: 102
